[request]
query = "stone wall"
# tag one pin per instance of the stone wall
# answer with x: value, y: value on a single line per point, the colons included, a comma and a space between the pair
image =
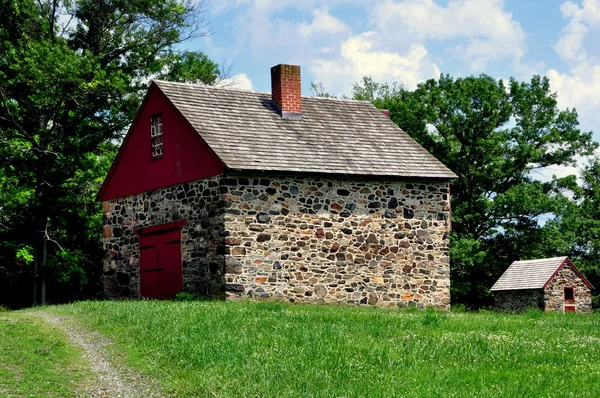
x: 196, y: 202
x: 331, y: 240
x: 519, y: 300
x: 554, y: 292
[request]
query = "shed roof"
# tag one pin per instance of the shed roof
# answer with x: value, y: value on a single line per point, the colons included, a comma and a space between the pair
x: 334, y: 136
x: 533, y: 274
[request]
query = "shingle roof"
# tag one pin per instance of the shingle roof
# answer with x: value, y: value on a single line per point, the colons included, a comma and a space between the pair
x: 530, y: 274
x: 334, y: 136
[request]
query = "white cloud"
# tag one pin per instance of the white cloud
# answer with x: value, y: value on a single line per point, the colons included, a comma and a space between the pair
x: 266, y: 7
x: 394, y: 47
x: 272, y: 39
x: 240, y: 81
x: 546, y: 174
x: 364, y: 55
x: 580, y: 87
x: 570, y: 46
x: 322, y: 23
x: 484, y: 30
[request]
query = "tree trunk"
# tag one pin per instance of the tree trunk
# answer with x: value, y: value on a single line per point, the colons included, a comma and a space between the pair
x: 44, y: 262
x: 34, y: 290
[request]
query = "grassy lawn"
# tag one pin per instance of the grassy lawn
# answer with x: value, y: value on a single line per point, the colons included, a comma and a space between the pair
x: 35, y: 360
x: 228, y: 349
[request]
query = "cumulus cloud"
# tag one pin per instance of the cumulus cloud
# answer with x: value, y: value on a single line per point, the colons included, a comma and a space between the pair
x: 323, y: 23
x: 271, y: 6
x: 580, y: 86
x: 579, y: 89
x: 393, y: 46
x: 241, y: 81
x: 364, y: 55
x: 546, y: 174
x: 484, y: 31
x: 570, y: 46
x: 395, y: 49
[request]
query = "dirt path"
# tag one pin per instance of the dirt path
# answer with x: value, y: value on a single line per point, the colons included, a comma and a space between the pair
x: 109, y: 378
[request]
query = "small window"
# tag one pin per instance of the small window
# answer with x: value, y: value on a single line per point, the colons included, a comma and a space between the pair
x: 156, y: 136
x: 569, y: 295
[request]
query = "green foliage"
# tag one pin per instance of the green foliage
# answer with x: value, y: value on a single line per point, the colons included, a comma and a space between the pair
x: 67, y: 95
x: 580, y: 222
x: 281, y: 350
x: 25, y: 254
x: 191, y: 67
x: 186, y: 296
x: 495, y: 138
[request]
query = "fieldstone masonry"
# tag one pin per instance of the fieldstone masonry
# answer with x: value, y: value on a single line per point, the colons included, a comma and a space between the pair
x: 554, y: 292
x: 519, y: 300
x: 312, y: 239
x: 202, y: 257
x: 332, y: 240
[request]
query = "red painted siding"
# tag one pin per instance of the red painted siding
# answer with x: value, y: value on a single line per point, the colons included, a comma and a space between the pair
x: 186, y: 156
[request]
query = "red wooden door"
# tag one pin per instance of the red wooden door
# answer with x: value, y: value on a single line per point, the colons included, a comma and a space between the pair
x: 160, y: 263
x: 569, y: 308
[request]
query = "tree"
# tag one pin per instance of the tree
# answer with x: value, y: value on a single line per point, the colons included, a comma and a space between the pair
x: 579, y: 221
x: 71, y: 78
x: 493, y: 137
x: 319, y: 90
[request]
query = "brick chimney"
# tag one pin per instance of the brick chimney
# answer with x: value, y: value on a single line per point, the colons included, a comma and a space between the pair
x: 286, y: 90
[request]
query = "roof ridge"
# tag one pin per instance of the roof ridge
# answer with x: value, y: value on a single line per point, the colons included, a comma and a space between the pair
x: 335, y: 99
x: 211, y: 87
x: 207, y: 86
x: 541, y: 259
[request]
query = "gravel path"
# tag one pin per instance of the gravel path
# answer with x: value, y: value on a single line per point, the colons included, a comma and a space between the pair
x: 109, y: 378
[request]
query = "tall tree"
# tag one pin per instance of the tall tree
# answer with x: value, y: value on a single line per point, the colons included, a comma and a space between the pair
x: 579, y: 222
x: 494, y: 138
x: 71, y: 78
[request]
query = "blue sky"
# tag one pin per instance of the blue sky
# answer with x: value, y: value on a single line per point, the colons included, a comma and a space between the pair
x: 338, y: 41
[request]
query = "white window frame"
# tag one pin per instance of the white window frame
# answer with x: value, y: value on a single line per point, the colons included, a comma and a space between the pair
x: 156, y: 136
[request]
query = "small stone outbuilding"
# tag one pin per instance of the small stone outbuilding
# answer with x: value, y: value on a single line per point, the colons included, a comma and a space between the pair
x: 550, y: 284
x: 274, y: 195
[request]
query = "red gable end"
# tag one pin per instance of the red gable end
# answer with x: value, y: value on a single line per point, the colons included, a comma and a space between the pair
x: 186, y: 157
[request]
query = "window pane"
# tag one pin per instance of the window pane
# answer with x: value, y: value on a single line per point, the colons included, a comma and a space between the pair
x: 156, y: 140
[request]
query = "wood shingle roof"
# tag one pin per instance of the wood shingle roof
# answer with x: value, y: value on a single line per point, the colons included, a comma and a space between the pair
x: 334, y: 136
x: 532, y: 274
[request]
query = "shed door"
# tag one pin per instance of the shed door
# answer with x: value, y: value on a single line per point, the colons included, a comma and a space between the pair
x: 569, y: 308
x: 160, y: 263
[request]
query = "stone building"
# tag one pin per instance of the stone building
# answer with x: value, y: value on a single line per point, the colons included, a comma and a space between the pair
x: 550, y: 284
x: 256, y: 195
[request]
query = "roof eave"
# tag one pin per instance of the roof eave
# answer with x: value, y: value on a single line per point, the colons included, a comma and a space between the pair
x: 334, y: 174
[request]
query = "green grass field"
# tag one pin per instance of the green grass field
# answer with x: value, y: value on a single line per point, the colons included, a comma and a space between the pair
x: 35, y: 360
x: 228, y: 349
